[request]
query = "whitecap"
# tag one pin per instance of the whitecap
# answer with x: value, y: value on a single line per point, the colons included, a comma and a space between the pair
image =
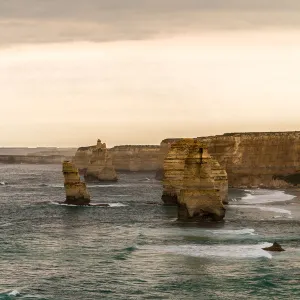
x: 265, y: 208
x: 233, y: 231
x: 91, y: 204
x: 222, y: 251
x: 259, y: 196
x: 14, y: 293
x: 117, y: 205
x: 3, y: 183
x: 5, y: 224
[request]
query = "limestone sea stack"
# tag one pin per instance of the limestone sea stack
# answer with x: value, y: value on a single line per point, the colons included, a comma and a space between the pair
x: 194, y: 181
x: 76, y: 192
x: 100, y: 165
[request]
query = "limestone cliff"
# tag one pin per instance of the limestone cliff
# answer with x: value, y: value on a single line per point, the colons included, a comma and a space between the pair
x: 263, y: 159
x: 100, y: 165
x: 132, y: 158
x: 76, y: 192
x: 82, y: 156
x: 165, y: 146
x: 135, y: 157
x: 194, y: 180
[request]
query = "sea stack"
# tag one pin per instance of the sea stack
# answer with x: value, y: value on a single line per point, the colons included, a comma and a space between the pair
x: 100, y: 166
x: 76, y: 192
x: 194, y: 181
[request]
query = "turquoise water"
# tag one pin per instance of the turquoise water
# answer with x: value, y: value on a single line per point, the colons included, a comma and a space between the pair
x: 136, y: 249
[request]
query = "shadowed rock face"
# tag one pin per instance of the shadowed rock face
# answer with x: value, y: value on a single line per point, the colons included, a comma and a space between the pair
x: 76, y: 192
x: 194, y: 181
x: 100, y: 165
x: 275, y: 247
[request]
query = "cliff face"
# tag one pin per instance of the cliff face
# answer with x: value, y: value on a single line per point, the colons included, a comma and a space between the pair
x: 135, y: 158
x: 82, y: 157
x: 32, y: 159
x: 194, y: 180
x: 124, y: 158
x: 100, y: 165
x: 76, y: 192
x: 270, y: 160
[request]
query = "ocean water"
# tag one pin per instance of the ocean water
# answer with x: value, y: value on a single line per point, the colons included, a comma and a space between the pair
x: 136, y: 248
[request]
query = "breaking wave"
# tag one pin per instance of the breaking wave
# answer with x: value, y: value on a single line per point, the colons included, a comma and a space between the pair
x: 265, y: 208
x: 221, y: 251
x: 91, y: 204
x: 261, y: 196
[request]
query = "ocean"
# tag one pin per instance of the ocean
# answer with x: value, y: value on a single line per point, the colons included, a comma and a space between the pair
x: 136, y: 248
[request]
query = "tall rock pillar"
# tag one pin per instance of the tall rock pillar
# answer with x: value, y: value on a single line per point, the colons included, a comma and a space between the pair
x: 194, y: 181
x: 76, y: 192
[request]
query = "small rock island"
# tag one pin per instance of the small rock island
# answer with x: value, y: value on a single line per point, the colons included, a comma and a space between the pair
x: 76, y: 192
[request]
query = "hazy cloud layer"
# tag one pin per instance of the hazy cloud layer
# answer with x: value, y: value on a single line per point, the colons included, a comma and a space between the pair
x: 30, y: 21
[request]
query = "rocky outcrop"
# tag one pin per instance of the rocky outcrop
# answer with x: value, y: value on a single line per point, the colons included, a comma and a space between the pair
x: 263, y: 159
x: 100, y: 165
x: 130, y: 158
x: 76, y: 192
x: 275, y: 247
x: 194, y: 181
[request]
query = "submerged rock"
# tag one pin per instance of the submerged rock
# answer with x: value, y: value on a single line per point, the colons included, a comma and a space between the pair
x: 275, y: 247
x: 76, y: 192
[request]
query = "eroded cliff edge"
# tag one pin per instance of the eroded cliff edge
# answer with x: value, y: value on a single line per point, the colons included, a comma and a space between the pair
x: 263, y: 159
x: 258, y: 159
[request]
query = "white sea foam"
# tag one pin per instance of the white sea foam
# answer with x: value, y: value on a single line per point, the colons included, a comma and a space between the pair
x: 5, y: 224
x: 265, y: 208
x: 91, y: 204
x: 261, y: 196
x: 233, y: 231
x: 3, y: 183
x: 222, y: 251
x: 14, y: 293
x: 117, y: 205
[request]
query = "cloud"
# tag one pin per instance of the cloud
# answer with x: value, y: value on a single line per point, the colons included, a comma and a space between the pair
x: 35, y: 21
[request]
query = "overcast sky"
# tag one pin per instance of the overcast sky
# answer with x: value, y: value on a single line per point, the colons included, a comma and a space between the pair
x: 139, y: 71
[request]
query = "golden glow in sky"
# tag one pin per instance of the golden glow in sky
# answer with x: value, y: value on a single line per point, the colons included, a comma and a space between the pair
x: 140, y: 92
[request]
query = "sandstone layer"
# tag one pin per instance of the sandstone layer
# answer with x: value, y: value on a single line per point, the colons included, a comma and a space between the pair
x: 76, y: 192
x: 263, y: 159
x: 100, y: 165
x: 194, y: 181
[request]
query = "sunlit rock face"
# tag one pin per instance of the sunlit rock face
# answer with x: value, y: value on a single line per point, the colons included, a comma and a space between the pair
x: 165, y: 146
x: 270, y: 160
x: 194, y: 181
x: 100, y: 165
x: 76, y: 192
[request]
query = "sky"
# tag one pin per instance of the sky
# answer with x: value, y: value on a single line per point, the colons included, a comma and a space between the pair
x: 139, y: 71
